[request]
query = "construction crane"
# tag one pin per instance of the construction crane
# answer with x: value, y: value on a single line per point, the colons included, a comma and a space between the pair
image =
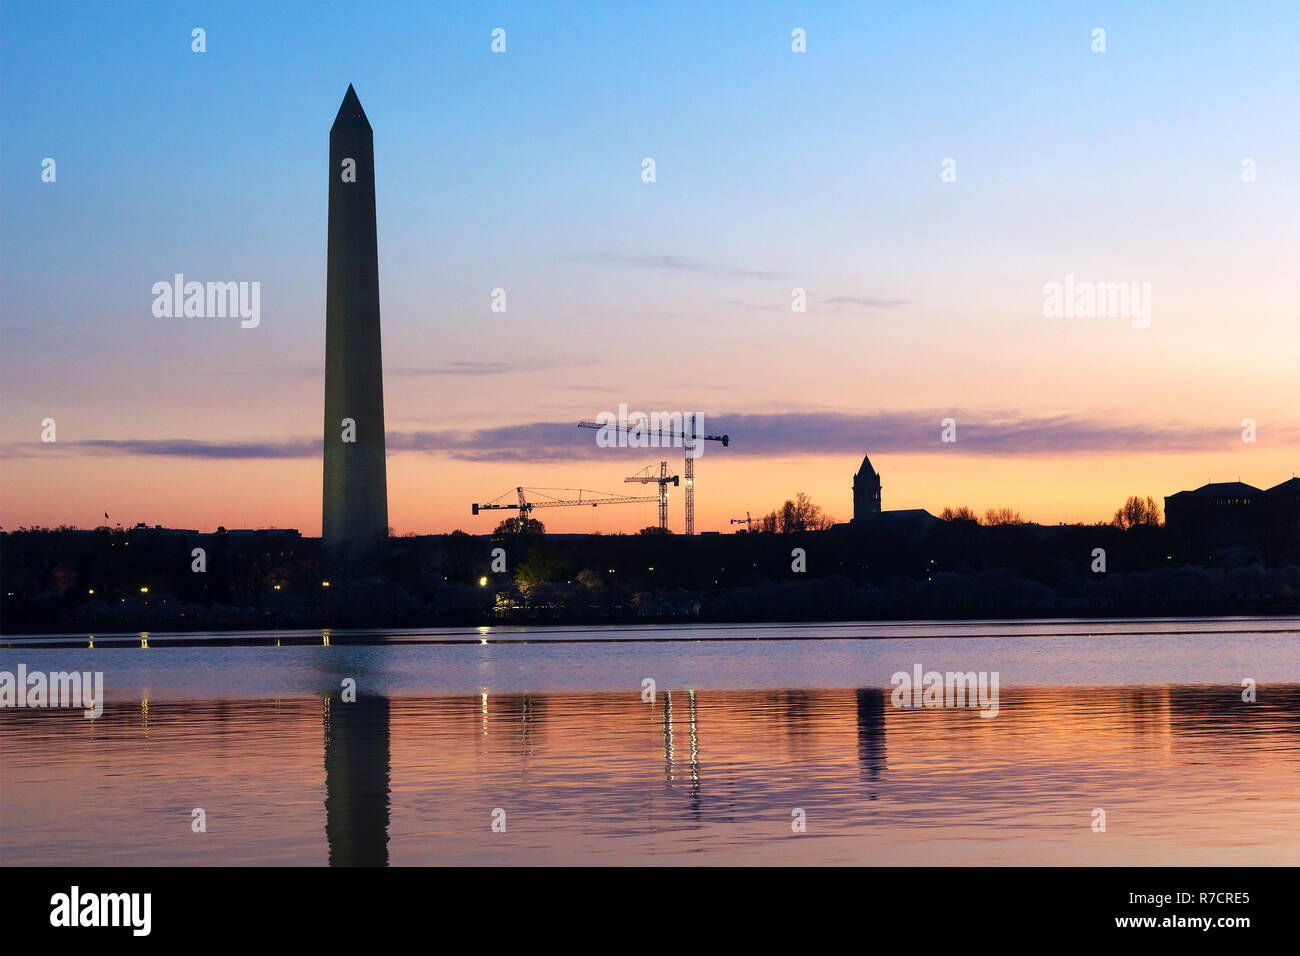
x: 646, y: 475
x: 689, y: 439
x: 525, y: 506
x: 746, y: 521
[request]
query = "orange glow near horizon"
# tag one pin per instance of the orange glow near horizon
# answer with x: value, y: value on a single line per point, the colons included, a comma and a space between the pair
x: 432, y: 494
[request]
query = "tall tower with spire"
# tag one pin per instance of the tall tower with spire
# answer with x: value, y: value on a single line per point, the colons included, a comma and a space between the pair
x: 354, y: 521
x: 866, y: 491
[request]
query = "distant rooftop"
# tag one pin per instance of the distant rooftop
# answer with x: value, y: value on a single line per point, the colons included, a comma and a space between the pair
x: 1216, y: 489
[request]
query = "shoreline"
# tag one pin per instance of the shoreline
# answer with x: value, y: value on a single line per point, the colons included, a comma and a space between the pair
x: 531, y: 632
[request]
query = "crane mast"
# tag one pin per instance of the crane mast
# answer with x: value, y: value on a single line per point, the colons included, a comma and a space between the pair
x: 646, y: 475
x: 690, y: 439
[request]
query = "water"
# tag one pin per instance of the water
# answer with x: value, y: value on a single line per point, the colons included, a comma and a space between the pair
x: 1141, y: 719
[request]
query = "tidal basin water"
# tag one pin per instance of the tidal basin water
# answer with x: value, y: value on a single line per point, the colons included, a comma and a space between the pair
x: 547, y: 729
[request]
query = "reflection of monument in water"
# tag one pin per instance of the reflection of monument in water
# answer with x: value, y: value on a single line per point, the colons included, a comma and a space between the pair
x: 871, y: 731
x: 357, y: 739
x: 356, y: 781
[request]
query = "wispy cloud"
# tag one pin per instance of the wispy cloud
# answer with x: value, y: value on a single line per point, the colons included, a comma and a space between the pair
x: 534, y: 441
x: 482, y: 368
x: 773, y: 435
x: 664, y: 262
x: 434, y: 368
x: 667, y: 262
x: 837, y: 303
x: 863, y: 301
x: 187, y: 448
x: 979, y: 433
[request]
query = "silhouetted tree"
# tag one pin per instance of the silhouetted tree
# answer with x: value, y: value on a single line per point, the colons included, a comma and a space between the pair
x: 461, y: 557
x: 959, y: 514
x: 1002, y: 516
x: 511, y: 526
x: 1136, y: 512
x: 542, y: 565
x: 799, y: 514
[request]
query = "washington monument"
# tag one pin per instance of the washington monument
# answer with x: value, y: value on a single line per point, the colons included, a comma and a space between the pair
x: 355, y: 503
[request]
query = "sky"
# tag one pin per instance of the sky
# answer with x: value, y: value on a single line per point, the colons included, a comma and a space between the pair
x: 775, y: 170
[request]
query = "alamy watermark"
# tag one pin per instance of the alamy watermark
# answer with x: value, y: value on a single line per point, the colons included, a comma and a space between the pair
x: 74, y: 689
x: 130, y: 910
x: 1084, y: 299
x: 949, y: 689
x: 624, y: 429
x: 212, y: 300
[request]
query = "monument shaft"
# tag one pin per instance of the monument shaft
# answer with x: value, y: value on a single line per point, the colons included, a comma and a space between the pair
x: 355, y: 501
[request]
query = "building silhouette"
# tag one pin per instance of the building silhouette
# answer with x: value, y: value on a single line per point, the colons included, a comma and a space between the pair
x: 867, y: 513
x: 1209, y: 520
x: 866, y: 492
x: 354, y: 507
